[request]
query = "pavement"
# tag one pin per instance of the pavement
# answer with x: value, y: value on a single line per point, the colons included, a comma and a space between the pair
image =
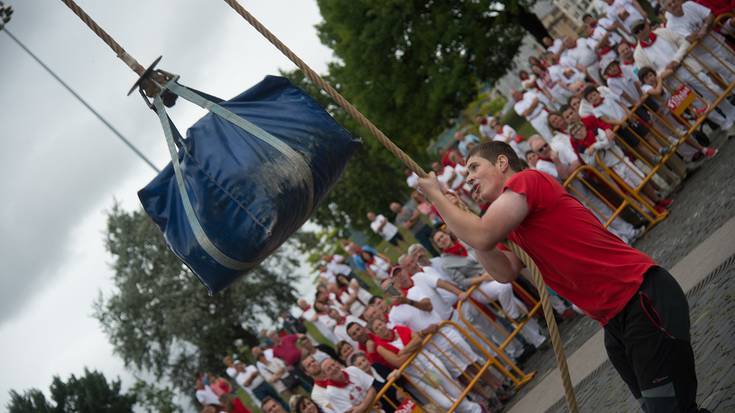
x: 697, y: 243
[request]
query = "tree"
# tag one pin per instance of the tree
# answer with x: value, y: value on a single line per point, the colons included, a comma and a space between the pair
x: 409, y: 66
x: 153, y: 399
x: 160, y: 319
x: 90, y: 393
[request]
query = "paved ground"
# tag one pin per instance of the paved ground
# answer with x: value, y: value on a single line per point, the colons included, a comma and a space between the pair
x: 713, y: 327
x: 705, y: 202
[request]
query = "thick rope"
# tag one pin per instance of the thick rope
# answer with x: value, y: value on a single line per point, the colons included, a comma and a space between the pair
x: 561, y: 359
x: 314, y: 77
x: 411, y: 164
x: 102, y: 34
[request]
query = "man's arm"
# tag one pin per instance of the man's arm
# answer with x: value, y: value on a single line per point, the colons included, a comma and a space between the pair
x: 366, y: 403
x: 447, y: 286
x: 481, y: 233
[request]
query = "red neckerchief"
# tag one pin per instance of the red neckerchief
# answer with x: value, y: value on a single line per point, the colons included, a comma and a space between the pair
x: 322, y: 383
x: 456, y: 249
x: 605, y: 50
x: 341, y: 321
x: 618, y: 76
x: 545, y: 159
x: 404, y: 333
x: 599, y: 103
x: 628, y: 62
x: 371, y: 261
x: 404, y: 291
x: 651, y: 40
x: 581, y: 145
x: 339, y: 384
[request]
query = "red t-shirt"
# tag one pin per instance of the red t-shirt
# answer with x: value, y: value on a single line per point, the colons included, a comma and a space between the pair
x: 578, y: 258
x: 287, y: 350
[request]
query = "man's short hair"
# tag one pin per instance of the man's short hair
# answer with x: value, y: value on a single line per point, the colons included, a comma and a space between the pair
x: 588, y: 90
x: 491, y: 150
x: 265, y: 401
x: 352, y: 323
x: 645, y: 71
x: 414, y: 247
x: 373, y: 299
x: 565, y: 107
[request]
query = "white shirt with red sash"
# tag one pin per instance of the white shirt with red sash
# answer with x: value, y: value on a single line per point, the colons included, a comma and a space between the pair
x: 345, y: 394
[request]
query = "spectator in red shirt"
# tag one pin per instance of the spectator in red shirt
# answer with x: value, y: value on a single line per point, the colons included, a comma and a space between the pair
x: 285, y: 348
x: 641, y: 306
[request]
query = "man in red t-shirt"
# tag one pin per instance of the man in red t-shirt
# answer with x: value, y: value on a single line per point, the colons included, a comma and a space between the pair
x: 641, y: 306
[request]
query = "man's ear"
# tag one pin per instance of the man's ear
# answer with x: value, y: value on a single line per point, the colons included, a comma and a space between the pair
x: 502, y: 163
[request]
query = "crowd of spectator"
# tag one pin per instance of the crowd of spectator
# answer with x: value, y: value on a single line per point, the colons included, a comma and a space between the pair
x: 589, y: 98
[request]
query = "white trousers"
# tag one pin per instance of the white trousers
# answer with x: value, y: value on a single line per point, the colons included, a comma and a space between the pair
x: 503, y: 293
x: 429, y: 375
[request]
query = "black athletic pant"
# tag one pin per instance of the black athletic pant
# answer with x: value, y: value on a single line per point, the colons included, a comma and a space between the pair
x: 650, y: 346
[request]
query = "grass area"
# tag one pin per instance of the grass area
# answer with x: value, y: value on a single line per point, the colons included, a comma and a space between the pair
x: 247, y: 400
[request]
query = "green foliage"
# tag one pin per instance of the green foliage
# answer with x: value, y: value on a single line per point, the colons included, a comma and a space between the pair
x: 160, y: 318
x: 153, y: 399
x: 408, y: 66
x: 90, y: 393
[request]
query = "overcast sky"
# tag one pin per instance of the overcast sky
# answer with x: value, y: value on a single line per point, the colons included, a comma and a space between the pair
x: 60, y: 168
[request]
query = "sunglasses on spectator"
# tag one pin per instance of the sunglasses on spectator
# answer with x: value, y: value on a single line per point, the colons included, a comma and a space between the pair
x: 542, y: 148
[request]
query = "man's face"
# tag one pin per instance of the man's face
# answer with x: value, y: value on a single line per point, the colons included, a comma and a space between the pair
x: 672, y: 6
x: 574, y: 102
x: 613, y: 69
x: 311, y: 367
x: 332, y: 369
x: 625, y: 51
x: 580, y: 133
x: 548, y: 41
x: 372, y: 312
x: 442, y: 239
x: 532, y: 158
x: 272, y: 406
x: 401, y: 279
x: 306, y: 346
x: 541, y: 148
x: 380, y: 328
x: 594, y: 98
x: 362, y: 363
x: 485, y: 178
x: 643, y: 32
x: 371, y: 216
x: 357, y: 333
x: 570, y: 115
x: 345, y: 351
x: 333, y: 314
x: 557, y: 122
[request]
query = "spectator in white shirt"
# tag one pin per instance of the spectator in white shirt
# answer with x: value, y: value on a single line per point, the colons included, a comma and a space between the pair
x: 349, y: 390
x: 274, y: 371
x: 319, y: 395
x: 381, y: 226
x: 694, y: 22
x: 340, y: 325
x: 483, y: 125
x: 308, y: 314
x: 249, y: 378
x: 530, y: 107
x: 666, y: 51
x: 204, y: 394
x: 465, y: 141
x: 623, y: 82
x: 580, y: 54
x: 626, y: 12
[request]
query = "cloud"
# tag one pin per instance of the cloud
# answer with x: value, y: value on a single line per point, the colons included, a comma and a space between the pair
x: 57, y: 160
